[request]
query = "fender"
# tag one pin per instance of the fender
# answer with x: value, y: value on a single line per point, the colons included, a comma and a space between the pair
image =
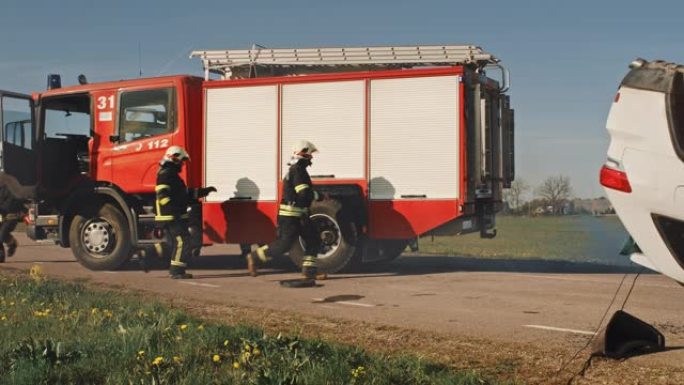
x: 351, y: 197
x: 89, y: 189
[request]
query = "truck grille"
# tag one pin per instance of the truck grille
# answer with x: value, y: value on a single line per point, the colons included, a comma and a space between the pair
x: 672, y: 232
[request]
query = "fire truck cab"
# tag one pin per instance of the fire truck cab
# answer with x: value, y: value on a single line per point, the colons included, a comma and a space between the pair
x: 413, y: 141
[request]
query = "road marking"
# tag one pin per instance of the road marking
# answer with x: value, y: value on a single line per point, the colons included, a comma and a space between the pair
x: 560, y: 329
x: 560, y: 278
x: 321, y: 300
x: 199, y: 284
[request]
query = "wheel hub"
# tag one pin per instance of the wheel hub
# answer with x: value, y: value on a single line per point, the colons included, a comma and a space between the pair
x: 98, y: 236
x: 330, y: 234
x: 328, y: 237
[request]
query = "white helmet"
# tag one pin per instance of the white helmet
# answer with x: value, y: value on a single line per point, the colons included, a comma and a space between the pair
x: 175, y: 154
x: 304, y: 148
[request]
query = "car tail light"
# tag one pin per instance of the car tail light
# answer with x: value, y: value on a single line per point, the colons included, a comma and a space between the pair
x: 615, y: 179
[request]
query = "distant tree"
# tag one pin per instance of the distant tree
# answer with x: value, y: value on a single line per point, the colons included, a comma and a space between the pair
x: 513, y: 195
x: 555, y: 190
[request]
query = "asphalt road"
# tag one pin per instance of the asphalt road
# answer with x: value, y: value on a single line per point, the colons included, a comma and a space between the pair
x: 500, y: 300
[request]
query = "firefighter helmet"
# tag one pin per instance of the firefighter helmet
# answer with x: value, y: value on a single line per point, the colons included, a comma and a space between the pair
x: 176, y: 154
x: 304, y: 148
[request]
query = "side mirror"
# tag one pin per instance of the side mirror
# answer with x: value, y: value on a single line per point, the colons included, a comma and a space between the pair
x: 114, y: 138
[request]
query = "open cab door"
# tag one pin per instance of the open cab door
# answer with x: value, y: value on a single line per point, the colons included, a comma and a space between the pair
x: 18, y: 159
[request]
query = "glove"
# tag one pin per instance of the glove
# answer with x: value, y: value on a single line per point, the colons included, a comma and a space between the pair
x: 204, y: 191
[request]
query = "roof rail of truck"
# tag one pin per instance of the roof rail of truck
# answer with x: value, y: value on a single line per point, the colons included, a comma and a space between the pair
x: 246, y: 63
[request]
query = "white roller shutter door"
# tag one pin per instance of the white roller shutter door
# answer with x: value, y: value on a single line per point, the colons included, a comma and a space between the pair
x: 414, y: 138
x: 241, y: 143
x: 330, y: 115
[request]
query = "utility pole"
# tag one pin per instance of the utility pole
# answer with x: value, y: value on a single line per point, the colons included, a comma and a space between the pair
x: 139, y: 60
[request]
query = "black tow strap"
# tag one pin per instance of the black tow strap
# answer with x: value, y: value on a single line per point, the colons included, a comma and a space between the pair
x: 299, y: 282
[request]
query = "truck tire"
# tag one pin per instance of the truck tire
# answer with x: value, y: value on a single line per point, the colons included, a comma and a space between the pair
x: 338, y: 236
x: 100, y: 238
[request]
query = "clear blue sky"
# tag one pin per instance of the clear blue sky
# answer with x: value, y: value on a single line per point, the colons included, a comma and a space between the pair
x: 566, y: 57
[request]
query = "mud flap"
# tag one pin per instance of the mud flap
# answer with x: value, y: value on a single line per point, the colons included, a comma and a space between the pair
x: 626, y: 336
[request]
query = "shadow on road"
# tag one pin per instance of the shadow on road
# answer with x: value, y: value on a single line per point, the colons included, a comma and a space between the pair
x: 411, y: 265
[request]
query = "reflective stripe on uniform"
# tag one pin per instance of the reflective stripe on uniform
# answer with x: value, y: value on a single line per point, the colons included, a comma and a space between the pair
x: 164, y: 201
x: 309, y: 261
x: 159, y: 249
x: 293, y: 209
x: 261, y: 253
x: 301, y: 187
x: 163, y: 218
x: 160, y: 187
x: 179, y: 249
x: 289, y: 214
x: 179, y: 264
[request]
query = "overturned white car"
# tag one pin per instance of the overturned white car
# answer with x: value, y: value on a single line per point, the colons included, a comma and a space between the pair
x: 644, y: 172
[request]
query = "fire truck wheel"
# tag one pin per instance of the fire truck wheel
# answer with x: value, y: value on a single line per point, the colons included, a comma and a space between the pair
x: 337, y: 235
x: 100, y: 238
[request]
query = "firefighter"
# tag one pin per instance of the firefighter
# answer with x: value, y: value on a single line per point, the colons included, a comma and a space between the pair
x: 172, y: 208
x: 12, y: 210
x: 293, y: 215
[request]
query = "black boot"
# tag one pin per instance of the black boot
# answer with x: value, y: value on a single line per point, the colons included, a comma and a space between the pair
x: 309, y: 267
x: 178, y: 272
x: 11, y: 247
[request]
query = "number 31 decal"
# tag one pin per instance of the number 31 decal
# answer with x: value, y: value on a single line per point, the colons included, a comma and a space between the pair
x: 105, y: 102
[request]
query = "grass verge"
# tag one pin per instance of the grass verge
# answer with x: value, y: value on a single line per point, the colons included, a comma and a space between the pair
x: 571, y: 238
x: 53, y: 332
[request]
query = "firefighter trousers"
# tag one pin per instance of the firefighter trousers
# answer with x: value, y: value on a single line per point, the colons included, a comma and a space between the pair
x: 288, y: 232
x: 6, y: 228
x: 181, y: 244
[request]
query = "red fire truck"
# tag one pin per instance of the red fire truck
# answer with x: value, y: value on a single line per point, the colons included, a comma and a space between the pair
x: 413, y: 141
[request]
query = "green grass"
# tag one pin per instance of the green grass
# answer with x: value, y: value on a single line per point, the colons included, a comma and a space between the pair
x: 574, y: 238
x: 62, y: 333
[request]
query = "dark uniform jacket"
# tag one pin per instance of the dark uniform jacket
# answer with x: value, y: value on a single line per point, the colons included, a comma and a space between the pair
x: 298, y: 190
x: 8, y: 203
x: 172, y: 194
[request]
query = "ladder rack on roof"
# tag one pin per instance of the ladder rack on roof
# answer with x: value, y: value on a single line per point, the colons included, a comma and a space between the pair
x: 295, y: 61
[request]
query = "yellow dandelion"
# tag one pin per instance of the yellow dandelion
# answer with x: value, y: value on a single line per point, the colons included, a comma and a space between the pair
x: 256, y: 352
x: 236, y: 365
x: 183, y: 327
x: 108, y: 313
x: 358, y: 372
x: 158, y: 361
x: 141, y: 353
x: 201, y: 327
x: 245, y: 357
x: 225, y: 343
x: 177, y: 359
x: 36, y: 273
x: 4, y: 318
x: 216, y: 358
x: 94, y: 310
